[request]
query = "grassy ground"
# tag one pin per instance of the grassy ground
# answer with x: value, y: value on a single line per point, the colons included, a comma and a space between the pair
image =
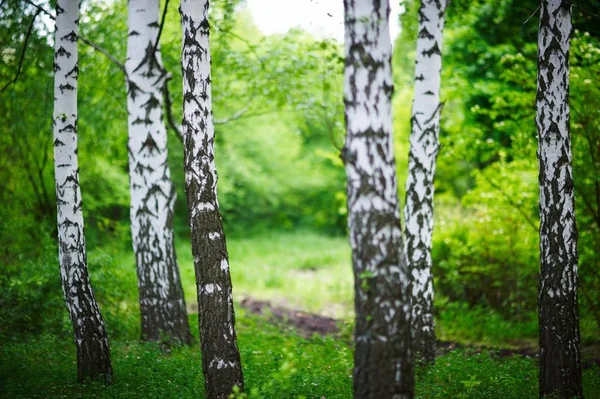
x: 304, y: 270
x: 278, y: 364
x: 313, y: 272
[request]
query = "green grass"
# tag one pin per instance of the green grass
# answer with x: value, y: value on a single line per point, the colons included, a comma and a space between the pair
x: 313, y: 272
x: 295, y: 269
x: 301, y: 269
x: 278, y: 364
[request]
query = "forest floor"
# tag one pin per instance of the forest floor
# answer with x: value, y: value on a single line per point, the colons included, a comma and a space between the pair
x: 293, y: 304
x: 308, y: 324
x: 286, y: 354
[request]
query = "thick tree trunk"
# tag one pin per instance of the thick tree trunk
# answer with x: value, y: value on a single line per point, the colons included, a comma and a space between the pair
x: 220, y: 355
x: 162, y: 305
x: 93, y: 353
x: 560, y: 369
x: 383, y: 360
x: 424, y: 146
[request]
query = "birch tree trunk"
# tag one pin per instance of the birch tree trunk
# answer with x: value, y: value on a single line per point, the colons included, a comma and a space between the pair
x: 220, y: 355
x: 93, y: 352
x: 383, y: 361
x: 560, y: 369
x: 424, y: 146
x: 162, y: 305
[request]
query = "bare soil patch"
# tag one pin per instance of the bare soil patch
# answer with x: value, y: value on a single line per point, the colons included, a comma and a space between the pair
x: 306, y: 323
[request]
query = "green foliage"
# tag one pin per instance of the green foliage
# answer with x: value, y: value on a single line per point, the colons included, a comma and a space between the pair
x: 485, y: 240
x: 456, y: 321
x: 115, y: 288
x: 487, y: 252
x: 585, y: 106
x: 31, y: 299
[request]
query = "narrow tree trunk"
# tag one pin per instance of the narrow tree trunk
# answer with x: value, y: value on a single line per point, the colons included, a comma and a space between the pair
x: 93, y: 353
x: 383, y: 362
x: 220, y: 355
x: 162, y: 304
x: 560, y: 369
x: 424, y: 146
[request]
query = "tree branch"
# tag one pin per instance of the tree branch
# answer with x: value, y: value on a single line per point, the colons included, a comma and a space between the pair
x: 93, y: 45
x: 235, y: 116
x: 160, y: 29
x: 168, y: 106
x: 531, y: 16
x: 511, y: 202
x: 20, y: 67
x: 105, y: 53
x: 166, y: 93
x: 41, y: 9
x: 586, y: 11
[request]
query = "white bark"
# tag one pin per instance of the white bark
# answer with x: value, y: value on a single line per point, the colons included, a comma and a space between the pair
x: 383, y: 364
x: 220, y: 355
x: 152, y: 193
x: 424, y: 146
x: 560, y: 369
x: 93, y: 354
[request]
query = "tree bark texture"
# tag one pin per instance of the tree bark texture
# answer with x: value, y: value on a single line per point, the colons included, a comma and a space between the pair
x: 93, y: 352
x: 162, y: 304
x: 220, y: 355
x: 560, y: 369
x: 424, y: 147
x: 383, y: 361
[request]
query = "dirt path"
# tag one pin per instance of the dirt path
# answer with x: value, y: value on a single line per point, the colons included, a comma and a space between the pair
x: 308, y: 324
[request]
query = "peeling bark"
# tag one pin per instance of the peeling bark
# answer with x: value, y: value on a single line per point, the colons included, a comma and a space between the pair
x: 383, y: 361
x: 560, y: 368
x: 424, y: 147
x: 220, y: 355
x: 162, y: 304
x: 93, y: 352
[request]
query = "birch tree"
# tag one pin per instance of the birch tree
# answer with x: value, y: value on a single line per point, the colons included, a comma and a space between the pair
x: 383, y: 361
x: 220, y: 355
x: 424, y: 147
x: 560, y: 369
x: 93, y: 353
x: 162, y: 305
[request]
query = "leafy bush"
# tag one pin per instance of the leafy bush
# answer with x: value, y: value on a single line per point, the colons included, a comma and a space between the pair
x: 485, y: 249
x: 30, y: 290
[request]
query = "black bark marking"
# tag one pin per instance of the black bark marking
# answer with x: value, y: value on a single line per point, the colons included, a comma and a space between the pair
x: 62, y: 53
x: 74, y: 72
x: 71, y: 37
x: 424, y: 34
x: 132, y: 89
x: 435, y: 49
